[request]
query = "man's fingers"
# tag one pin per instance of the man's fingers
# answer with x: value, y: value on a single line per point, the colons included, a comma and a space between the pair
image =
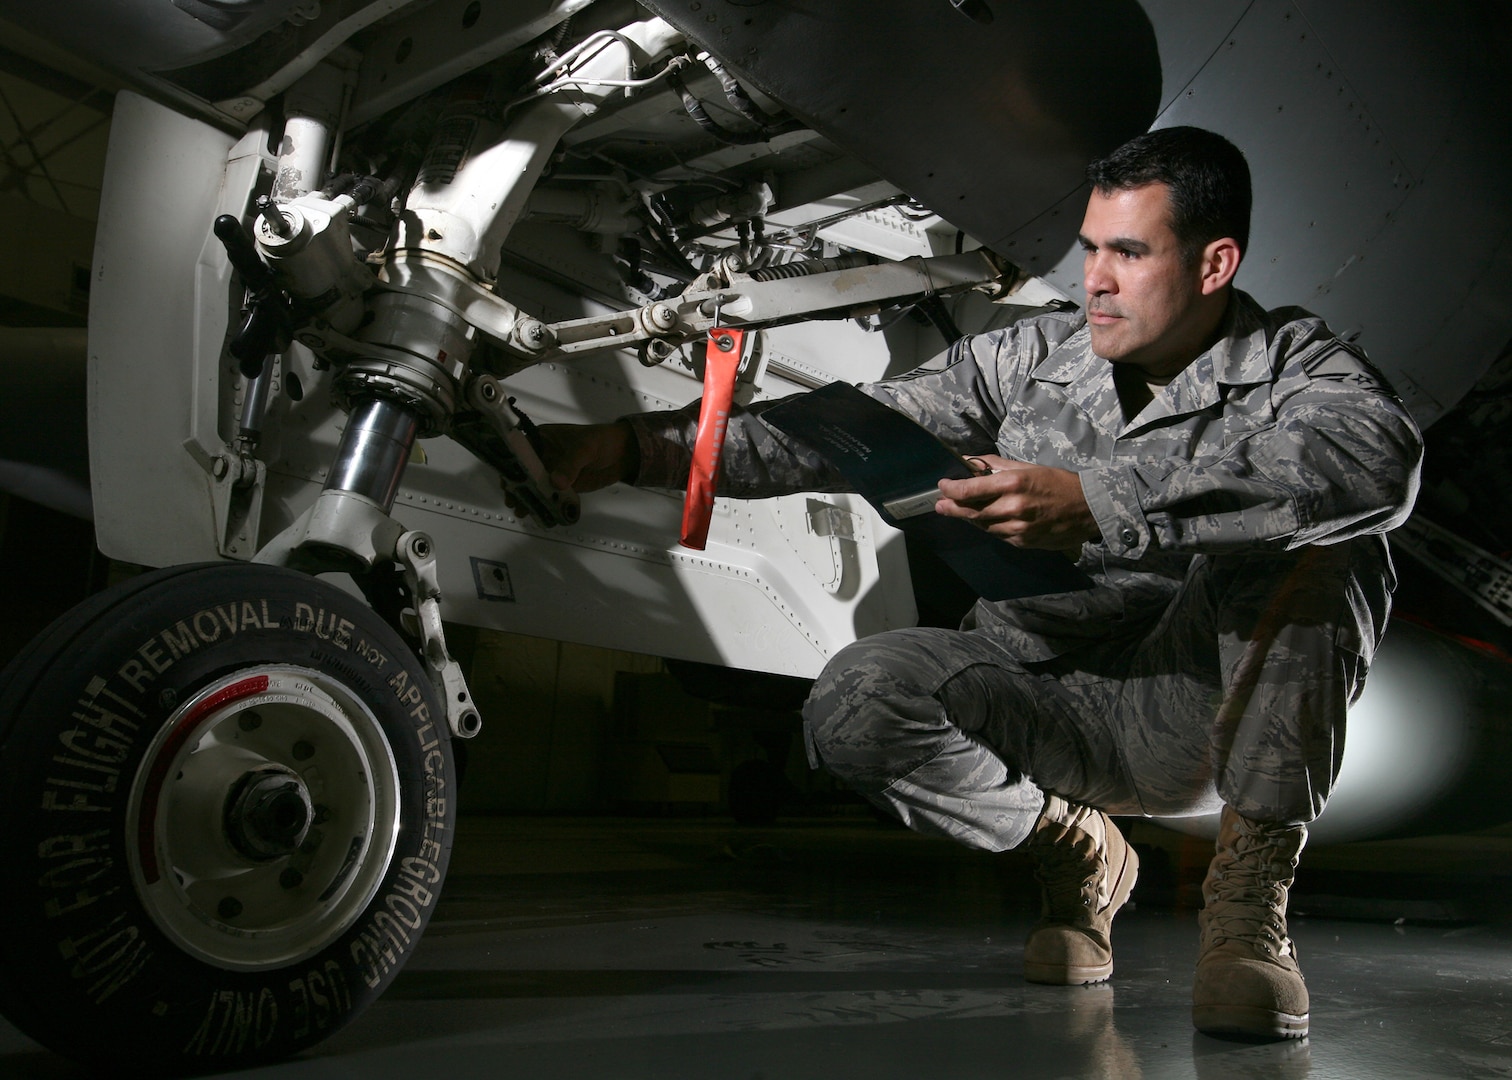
x: 1026, y: 505
x: 996, y: 515
x: 981, y: 491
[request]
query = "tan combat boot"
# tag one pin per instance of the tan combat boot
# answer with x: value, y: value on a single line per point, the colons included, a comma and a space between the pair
x: 1086, y: 870
x: 1247, y: 979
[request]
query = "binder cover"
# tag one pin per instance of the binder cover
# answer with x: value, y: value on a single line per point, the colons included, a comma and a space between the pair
x: 895, y: 464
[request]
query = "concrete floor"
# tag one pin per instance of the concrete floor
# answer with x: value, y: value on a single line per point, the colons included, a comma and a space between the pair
x: 844, y: 947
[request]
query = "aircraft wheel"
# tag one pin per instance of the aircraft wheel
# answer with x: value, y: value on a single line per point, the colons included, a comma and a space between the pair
x: 227, y: 802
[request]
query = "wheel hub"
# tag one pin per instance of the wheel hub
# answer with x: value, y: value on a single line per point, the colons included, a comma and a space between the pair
x: 265, y: 812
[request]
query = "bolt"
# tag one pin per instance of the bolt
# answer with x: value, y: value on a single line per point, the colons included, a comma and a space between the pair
x: 421, y: 547
x: 663, y: 317
x: 168, y: 698
x: 229, y: 908
x: 219, y: 467
x: 278, y: 224
x: 249, y: 720
x: 654, y: 351
x: 533, y: 334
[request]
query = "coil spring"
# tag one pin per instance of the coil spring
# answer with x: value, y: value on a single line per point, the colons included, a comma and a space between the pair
x: 813, y: 266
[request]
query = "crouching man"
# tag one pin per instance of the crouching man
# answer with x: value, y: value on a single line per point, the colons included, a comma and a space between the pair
x: 1225, y: 474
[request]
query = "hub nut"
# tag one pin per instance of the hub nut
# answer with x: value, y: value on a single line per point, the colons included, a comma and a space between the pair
x: 268, y: 814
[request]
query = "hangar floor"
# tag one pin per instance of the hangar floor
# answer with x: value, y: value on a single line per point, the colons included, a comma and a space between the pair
x: 843, y: 947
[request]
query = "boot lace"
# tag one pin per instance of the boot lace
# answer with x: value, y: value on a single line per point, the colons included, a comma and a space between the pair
x: 1069, y: 874
x: 1246, y: 896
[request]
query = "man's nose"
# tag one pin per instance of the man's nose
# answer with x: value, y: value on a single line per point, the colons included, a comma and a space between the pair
x: 1094, y: 277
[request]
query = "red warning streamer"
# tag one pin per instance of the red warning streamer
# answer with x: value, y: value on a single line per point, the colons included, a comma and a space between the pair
x: 723, y: 360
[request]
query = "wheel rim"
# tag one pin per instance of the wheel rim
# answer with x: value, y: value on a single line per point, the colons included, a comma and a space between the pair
x: 263, y: 817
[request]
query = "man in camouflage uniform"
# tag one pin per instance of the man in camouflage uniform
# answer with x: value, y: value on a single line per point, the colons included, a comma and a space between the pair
x: 1224, y: 474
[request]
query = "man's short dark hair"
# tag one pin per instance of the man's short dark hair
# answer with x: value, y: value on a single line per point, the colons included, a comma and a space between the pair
x: 1208, y: 179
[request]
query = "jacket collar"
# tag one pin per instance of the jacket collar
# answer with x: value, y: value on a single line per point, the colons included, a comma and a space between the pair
x: 1241, y: 357
x: 1238, y: 358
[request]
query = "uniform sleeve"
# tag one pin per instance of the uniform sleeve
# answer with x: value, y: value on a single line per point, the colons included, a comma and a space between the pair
x: 1341, y: 459
x: 756, y: 462
x: 958, y: 395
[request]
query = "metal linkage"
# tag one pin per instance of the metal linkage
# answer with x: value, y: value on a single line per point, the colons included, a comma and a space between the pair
x: 416, y: 554
x: 771, y: 299
x: 503, y: 437
x: 347, y: 531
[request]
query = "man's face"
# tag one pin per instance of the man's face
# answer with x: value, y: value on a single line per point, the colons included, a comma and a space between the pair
x: 1142, y: 296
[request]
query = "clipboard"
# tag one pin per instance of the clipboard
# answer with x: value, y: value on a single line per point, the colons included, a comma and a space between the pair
x: 896, y: 465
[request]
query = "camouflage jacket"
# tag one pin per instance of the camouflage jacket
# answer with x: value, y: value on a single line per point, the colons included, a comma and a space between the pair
x: 1278, y: 436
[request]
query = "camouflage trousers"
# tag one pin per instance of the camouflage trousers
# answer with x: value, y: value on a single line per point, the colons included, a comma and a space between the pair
x: 1236, y: 693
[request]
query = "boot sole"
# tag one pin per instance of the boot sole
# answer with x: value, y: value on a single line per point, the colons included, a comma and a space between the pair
x: 1060, y: 975
x: 1063, y: 975
x: 1248, y: 1020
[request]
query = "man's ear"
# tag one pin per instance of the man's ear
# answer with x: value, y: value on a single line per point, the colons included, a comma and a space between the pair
x: 1220, y: 262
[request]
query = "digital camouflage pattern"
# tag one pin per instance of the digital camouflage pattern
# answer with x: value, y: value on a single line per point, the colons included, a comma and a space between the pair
x: 1241, y: 581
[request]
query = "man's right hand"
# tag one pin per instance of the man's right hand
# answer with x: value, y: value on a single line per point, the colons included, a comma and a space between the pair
x: 586, y: 457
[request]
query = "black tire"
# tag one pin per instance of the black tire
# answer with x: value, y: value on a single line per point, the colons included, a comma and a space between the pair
x: 228, y: 798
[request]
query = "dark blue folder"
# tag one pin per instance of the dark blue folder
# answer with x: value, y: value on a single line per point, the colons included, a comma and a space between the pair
x: 895, y: 465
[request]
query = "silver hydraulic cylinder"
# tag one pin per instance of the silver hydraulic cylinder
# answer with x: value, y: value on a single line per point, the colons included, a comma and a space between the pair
x: 374, y: 450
